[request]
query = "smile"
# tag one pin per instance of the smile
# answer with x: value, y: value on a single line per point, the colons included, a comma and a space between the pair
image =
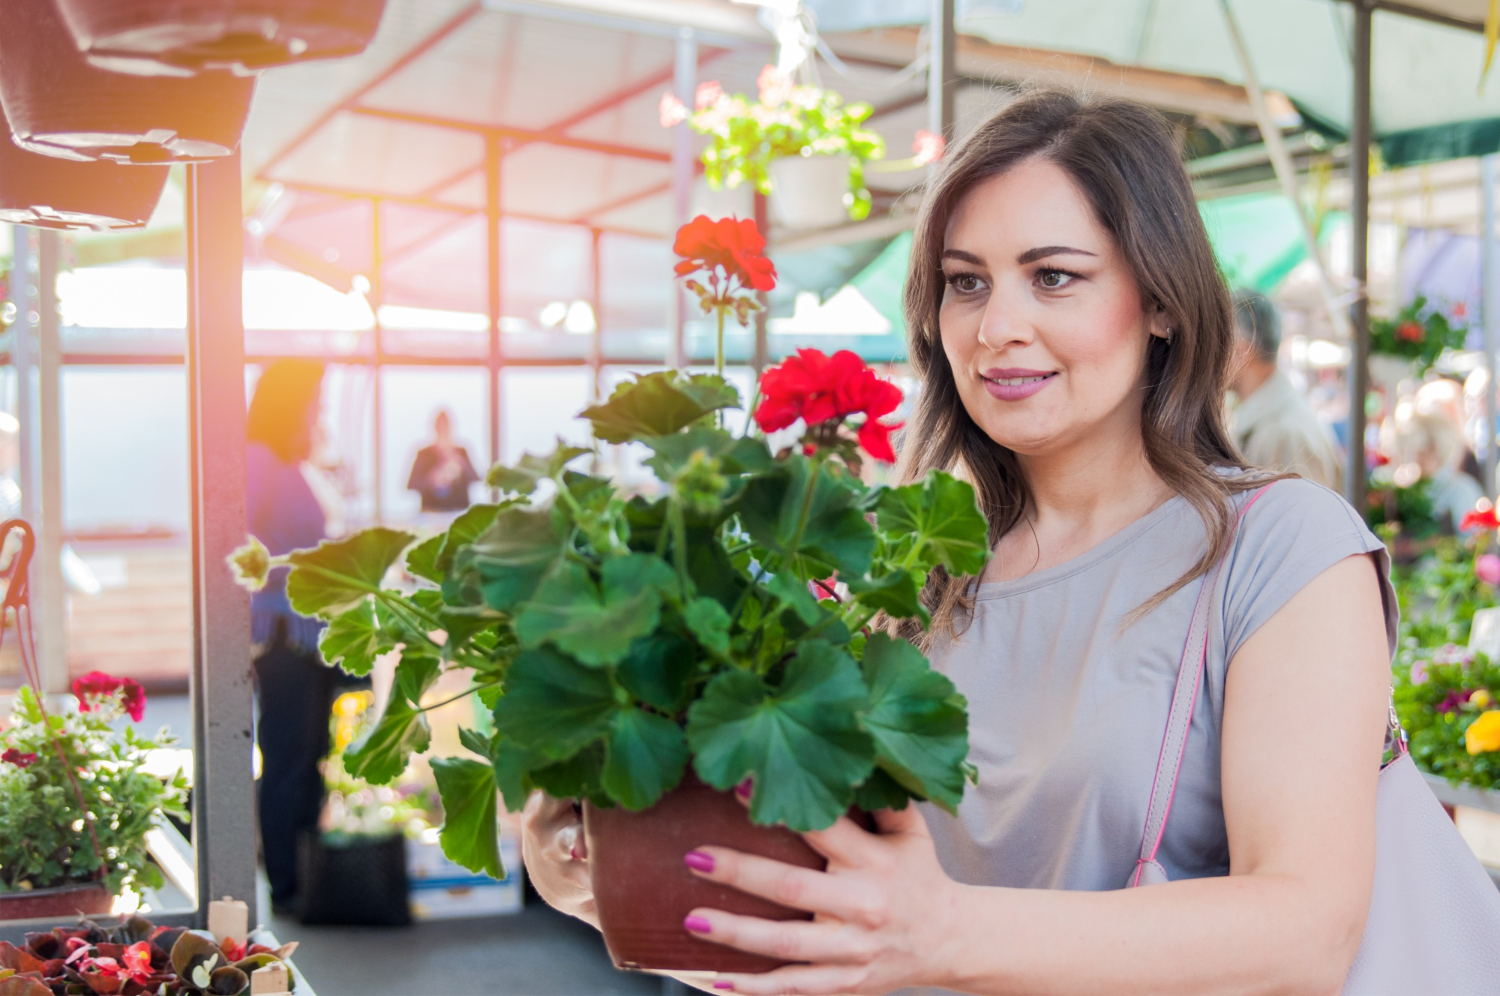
x: 1014, y: 385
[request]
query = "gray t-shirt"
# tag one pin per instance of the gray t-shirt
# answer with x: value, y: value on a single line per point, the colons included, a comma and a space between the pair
x: 1068, y: 703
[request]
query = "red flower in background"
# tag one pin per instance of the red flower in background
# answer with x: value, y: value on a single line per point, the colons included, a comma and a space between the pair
x: 733, y: 243
x: 1479, y: 518
x: 1411, y: 332
x: 818, y: 389
x: 97, y: 685
x: 13, y: 756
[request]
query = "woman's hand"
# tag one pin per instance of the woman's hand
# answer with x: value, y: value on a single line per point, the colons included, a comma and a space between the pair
x: 884, y: 911
x: 556, y: 857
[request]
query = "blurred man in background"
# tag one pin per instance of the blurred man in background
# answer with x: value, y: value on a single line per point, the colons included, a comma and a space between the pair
x: 1272, y: 424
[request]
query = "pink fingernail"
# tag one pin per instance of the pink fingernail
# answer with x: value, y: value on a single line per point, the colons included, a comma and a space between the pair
x: 743, y: 788
x: 698, y: 861
x: 698, y: 925
x: 723, y: 984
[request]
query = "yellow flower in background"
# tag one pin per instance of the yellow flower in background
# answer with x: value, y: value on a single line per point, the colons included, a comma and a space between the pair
x: 1483, y: 735
x: 1481, y: 699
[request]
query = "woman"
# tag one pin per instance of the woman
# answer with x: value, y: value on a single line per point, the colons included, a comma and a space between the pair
x: 1072, y: 333
x: 295, y: 686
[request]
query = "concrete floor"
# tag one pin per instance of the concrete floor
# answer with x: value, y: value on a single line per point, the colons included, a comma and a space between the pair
x: 533, y: 953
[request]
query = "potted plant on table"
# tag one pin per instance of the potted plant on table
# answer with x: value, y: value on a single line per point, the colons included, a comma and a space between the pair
x: 1416, y: 336
x: 647, y: 653
x: 800, y: 142
x: 76, y: 803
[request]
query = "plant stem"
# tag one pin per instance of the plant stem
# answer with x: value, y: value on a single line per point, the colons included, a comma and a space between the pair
x: 805, y: 512
x: 719, y: 347
x: 461, y: 695
x: 679, y: 545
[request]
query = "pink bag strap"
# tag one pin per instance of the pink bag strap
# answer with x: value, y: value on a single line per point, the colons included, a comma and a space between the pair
x: 1179, y: 720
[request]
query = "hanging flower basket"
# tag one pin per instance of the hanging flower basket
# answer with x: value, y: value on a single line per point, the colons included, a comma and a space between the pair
x: 177, y: 37
x: 59, y: 105
x: 46, y: 192
x: 810, y: 191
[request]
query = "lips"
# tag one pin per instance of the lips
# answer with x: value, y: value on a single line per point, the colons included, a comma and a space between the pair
x: 1010, y: 384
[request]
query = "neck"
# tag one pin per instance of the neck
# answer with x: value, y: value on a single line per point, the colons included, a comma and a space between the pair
x: 1103, y: 479
x: 1251, y: 375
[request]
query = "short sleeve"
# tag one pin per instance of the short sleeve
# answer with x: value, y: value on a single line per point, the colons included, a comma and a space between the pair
x: 1294, y: 532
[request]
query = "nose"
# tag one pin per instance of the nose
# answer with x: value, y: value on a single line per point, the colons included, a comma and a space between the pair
x: 1004, y: 323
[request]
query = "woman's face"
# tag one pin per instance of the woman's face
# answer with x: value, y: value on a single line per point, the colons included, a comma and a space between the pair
x: 1041, y: 319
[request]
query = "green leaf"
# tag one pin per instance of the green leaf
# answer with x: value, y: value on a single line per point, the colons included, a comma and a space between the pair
x: 644, y: 756
x: 336, y: 575
x: 578, y: 777
x: 352, y: 640
x: 659, y: 404
x: 895, y: 594
x: 553, y: 704
x: 792, y: 592
x: 513, y: 767
x: 942, y: 517
x: 509, y: 559
x: 531, y: 470
x: 918, y: 720
x: 835, y: 535
x: 656, y: 668
x: 421, y: 560
x: 469, y: 835
x: 415, y: 674
x: 382, y: 753
x: 673, y: 453
x: 468, y: 527
x: 881, y: 791
x: 596, y: 623
x: 709, y: 622
x: 800, y: 740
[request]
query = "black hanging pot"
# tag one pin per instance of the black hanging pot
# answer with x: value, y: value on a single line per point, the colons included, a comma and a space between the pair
x: 176, y: 36
x: 47, y: 192
x: 59, y: 105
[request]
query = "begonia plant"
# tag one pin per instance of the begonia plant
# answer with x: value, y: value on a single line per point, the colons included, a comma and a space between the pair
x: 724, y: 617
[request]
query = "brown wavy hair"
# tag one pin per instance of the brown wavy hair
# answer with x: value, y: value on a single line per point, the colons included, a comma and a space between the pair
x: 280, y: 410
x: 1123, y: 158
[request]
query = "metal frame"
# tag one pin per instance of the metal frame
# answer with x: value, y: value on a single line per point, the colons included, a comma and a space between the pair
x: 1359, y: 318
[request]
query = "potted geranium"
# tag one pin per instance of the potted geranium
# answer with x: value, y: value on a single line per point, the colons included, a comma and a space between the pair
x: 1417, y: 335
x: 799, y: 143
x: 647, y: 653
x: 76, y: 803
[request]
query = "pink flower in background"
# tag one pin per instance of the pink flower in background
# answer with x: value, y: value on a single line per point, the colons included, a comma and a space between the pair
x: 707, y: 94
x: 1487, y: 568
x: 1460, y: 310
x: 1452, y: 653
x: 20, y: 760
x: 775, y: 89
x: 929, y: 147
x: 671, y: 111
x: 1419, y: 672
x: 96, y: 687
x: 1453, y: 700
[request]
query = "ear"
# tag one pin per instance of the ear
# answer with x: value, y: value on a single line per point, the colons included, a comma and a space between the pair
x: 1159, y: 324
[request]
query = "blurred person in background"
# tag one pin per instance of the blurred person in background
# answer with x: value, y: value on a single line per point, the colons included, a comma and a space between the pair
x: 1445, y: 397
x: 295, y: 687
x: 1273, y: 426
x: 442, y: 473
x: 1430, y: 446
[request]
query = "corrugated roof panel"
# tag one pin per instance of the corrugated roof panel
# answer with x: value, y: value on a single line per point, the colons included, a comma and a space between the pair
x: 363, y: 154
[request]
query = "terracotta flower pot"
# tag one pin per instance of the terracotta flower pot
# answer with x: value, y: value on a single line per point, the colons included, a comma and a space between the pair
x: 64, y: 901
x: 643, y: 890
x: 53, y: 193
x: 154, y: 37
x: 59, y: 105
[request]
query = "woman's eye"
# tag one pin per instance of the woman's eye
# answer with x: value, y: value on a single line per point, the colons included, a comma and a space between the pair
x: 964, y: 283
x: 1054, y: 279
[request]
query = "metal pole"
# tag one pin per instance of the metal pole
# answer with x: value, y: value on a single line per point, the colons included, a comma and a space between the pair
x: 224, y: 786
x: 377, y: 423
x: 53, y: 593
x: 493, y: 275
x: 1359, y: 173
x: 762, y: 357
x: 24, y: 358
x: 596, y: 301
x: 1286, y: 172
x: 942, y: 74
x: 684, y: 82
x: 1490, y: 275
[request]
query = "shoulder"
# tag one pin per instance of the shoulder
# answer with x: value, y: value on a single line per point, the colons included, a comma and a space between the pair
x: 1290, y: 532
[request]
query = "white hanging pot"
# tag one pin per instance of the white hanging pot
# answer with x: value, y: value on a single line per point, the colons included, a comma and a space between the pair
x: 809, y: 191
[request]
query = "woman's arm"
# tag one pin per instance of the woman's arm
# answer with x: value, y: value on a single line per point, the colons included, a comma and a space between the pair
x: 1304, y: 716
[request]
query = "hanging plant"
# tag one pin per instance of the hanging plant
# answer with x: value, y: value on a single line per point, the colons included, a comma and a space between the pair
x: 1418, y: 332
x: 746, y: 136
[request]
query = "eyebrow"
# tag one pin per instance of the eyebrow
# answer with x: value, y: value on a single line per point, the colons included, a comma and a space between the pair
x: 1032, y: 255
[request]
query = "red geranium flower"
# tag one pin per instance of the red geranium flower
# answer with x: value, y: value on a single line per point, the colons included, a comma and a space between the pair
x: 1411, y: 332
x: 96, y: 685
x: 1479, y: 518
x: 819, y: 389
x: 733, y: 243
x: 13, y: 756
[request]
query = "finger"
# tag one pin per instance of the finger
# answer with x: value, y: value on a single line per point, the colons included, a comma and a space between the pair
x: 789, y: 885
x: 801, y: 980
x: 901, y: 821
x: 820, y: 941
x: 845, y: 843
